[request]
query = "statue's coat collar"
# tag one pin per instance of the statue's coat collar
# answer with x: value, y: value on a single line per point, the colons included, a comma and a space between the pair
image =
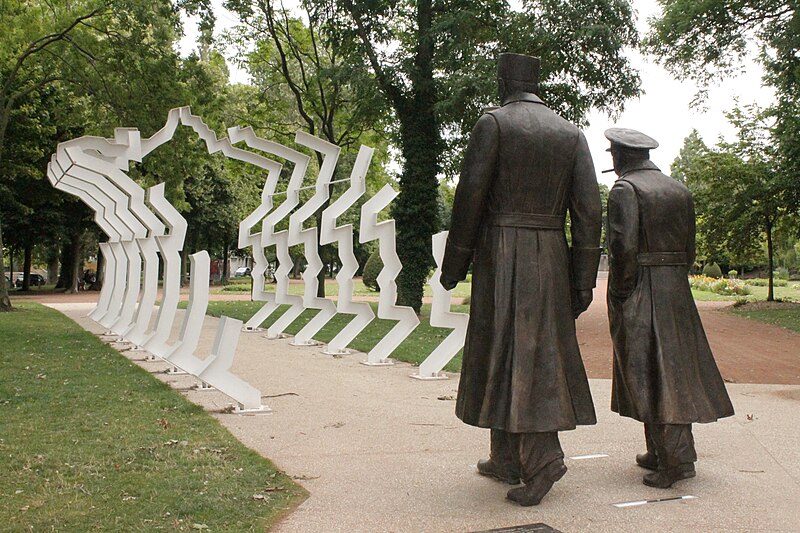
x: 641, y: 164
x: 523, y: 97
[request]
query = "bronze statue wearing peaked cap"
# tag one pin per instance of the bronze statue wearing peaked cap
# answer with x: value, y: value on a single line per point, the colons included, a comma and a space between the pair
x: 664, y: 372
x: 522, y: 373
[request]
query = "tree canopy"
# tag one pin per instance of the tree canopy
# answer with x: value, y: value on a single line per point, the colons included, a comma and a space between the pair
x: 434, y: 64
x: 411, y: 76
x: 739, y: 190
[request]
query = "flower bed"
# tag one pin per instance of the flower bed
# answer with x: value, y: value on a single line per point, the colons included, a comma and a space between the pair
x: 727, y: 287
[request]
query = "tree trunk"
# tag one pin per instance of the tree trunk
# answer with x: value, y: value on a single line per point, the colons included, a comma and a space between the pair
x: 12, y: 283
x: 26, y: 267
x: 77, y: 263
x: 416, y: 209
x: 296, y: 268
x: 184, y: 264
x: 5, y: 301
x: 98, y: 275
x: 52, y: 265
x: 225, y: 265
x: 770, y: 251
x: 65, y: 272
x: 320, y: 248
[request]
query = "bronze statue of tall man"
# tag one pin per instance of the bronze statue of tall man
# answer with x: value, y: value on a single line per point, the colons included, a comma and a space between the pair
x: 522, y: 373
x: 664, y: 373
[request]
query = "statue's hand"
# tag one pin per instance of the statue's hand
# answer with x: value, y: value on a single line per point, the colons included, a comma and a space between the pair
x: 447, y: 282
x: 581, y: 301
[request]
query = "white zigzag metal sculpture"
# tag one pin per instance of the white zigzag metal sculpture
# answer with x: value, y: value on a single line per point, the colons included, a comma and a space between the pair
x: 91, y: 168
x: 343, y: 235
x: 407, y: 319
x: 71, y: 159
x: 280, y: 239
x: 254, y: 240
x: 170, y: 245
x: 308, y: 238
x: 442, y: 317
x: 141, y: 225
x: 92, y: 197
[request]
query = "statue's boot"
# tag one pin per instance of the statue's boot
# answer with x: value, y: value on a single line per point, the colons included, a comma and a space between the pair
x: 650, y: 462
x: 672, y: 447
x: 505, y: 473
x: 664, y: 478
x: 647, y: 460
x: 533, y: 492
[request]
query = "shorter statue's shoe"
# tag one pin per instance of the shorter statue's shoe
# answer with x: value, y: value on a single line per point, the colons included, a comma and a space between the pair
x: 664, y: 479
x: 506, y: 474
x: 647, y: 460
x: 533, y: 492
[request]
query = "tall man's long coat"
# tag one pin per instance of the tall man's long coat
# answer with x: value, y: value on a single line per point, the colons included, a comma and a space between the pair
x: 524, y: 167
x: 664, y: 372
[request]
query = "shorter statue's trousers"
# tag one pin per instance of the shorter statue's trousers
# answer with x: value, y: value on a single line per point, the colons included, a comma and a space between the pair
x: 527, y: 453
x: 672, y: 444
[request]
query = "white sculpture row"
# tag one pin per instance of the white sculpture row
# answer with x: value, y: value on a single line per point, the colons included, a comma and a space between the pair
x: 143, y: 229
x: 138, y: 228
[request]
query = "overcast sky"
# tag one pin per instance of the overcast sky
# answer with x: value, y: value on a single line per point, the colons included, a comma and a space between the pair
x: 663, y: 111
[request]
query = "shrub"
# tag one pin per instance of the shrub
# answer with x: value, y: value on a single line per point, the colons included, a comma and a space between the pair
x: 729, y: 287
x: 732, y: 273
x: 781, y: 273
x: 712, y: 270
x: 763, y: 282
x: 371, y: 271
x: 740, y: 302
x: 236, y: 287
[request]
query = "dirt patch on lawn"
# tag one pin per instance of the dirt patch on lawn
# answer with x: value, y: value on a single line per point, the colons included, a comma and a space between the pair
x: 766, y: 306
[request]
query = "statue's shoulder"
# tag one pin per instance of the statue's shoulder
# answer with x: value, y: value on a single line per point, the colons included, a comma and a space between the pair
x: 522, y: 112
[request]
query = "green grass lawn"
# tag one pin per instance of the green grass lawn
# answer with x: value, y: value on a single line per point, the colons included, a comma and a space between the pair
x: 236, y: 285
x: 414, y: 349
x: 90, y: 441
x: 785, y: 318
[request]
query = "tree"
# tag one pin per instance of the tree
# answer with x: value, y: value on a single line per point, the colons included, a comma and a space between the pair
x: 26, y: 64
x: 740, y: 193
x: 116, y: 53
x: 328, y: 97
x: 708, y: 40
x: 434, y: 64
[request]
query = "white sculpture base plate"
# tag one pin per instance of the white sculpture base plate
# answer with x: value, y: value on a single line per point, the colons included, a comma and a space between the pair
x: 336, y: 352
x: 263, y: 410
x: 429, y: 378
x: 385, y: 362
x: 248, y: 329
x: 309, y: 343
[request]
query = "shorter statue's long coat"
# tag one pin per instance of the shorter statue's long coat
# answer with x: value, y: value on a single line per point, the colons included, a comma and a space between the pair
x: 522, y: 370
x: 664, y: 372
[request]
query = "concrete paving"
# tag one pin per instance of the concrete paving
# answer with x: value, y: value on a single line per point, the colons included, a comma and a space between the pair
x: 381, y: 452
